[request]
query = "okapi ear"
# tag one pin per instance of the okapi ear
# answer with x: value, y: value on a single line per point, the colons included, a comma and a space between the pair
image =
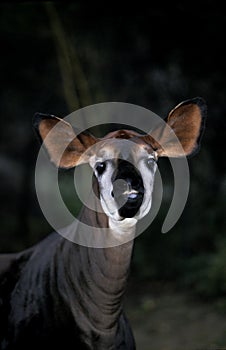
x: 64, y: 147
x: 187, y: 121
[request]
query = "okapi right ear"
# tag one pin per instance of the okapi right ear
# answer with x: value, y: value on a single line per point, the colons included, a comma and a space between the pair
x: 187, y: 121
x: 64, y: 147
x: 182, y: 132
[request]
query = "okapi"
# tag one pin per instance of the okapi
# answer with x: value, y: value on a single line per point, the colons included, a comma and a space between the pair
x: 60, y: 294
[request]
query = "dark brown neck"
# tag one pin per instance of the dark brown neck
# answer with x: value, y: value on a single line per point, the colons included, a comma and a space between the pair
x: 96, y: 280
x: 92, y: 281
x: 102, y: 274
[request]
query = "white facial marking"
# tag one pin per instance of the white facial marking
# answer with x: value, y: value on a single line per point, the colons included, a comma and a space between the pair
x: 105, y: 162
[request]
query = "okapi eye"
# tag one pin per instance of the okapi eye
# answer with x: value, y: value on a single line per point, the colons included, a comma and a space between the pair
x: 151, y: 162
x: 100, y: 167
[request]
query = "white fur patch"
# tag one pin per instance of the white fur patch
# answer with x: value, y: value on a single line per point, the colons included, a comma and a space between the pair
x: 123, y: 227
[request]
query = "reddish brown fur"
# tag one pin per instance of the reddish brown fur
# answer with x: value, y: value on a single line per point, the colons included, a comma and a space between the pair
x: 185, y: 120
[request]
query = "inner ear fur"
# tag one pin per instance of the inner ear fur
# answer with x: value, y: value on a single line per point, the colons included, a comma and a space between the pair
x: 186, y: 122
x: 64, y: 147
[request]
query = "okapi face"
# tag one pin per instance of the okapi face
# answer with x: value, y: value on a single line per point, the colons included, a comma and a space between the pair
x: 124, y: 161
x: 124, y: 166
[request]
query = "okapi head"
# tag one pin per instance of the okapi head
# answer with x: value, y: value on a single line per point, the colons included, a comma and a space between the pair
x: 124, y: 161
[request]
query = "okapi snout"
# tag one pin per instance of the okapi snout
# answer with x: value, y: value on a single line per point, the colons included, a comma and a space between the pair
x: 128, y: 189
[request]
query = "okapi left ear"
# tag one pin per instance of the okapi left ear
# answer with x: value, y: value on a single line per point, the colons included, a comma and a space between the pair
x: 64, y: 147
x: 186, y: 122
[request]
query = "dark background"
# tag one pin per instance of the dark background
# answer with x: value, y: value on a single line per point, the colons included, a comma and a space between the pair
x: 58, y: 57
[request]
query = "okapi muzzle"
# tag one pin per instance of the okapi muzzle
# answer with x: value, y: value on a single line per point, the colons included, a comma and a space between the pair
x: 128, y: 189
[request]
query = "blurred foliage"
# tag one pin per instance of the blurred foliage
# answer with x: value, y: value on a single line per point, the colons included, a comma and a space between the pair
x: 60, y: 56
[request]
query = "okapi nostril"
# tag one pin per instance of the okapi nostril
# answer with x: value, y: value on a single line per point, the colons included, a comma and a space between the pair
x: 112, y: 194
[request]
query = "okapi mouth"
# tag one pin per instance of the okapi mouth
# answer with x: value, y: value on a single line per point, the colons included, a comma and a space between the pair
x: 128, y: 189
x: 131, y: 207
